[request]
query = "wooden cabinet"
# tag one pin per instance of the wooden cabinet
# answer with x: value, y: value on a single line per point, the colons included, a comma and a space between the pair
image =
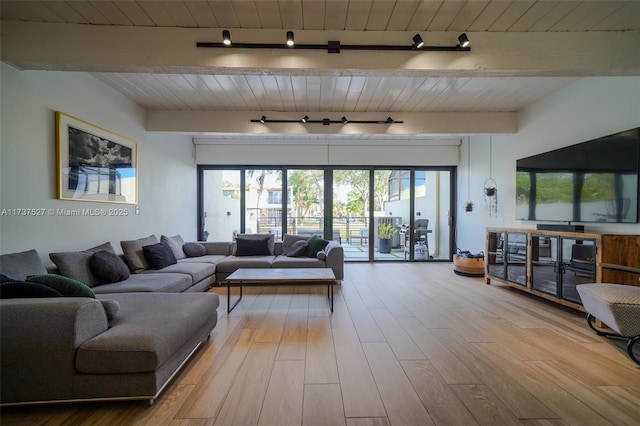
x: 551, y: 264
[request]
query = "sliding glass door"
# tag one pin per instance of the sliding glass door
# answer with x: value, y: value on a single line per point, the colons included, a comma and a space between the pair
x: 305, y: 189
x: 351, y: 212
x: 377, y: 214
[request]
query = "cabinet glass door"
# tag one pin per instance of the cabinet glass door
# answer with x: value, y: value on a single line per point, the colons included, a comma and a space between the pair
x: 516, y: 255
x: 495, y: 254
x: 545, y: 268
x: 578, y: 266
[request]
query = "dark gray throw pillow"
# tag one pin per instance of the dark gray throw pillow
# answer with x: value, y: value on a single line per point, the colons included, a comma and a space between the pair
x: 297, y: 249
x: 194, y: 249
x: 23, y: 290
x: 108, y: 267
x: 252, y: 247
x: 159, y: 255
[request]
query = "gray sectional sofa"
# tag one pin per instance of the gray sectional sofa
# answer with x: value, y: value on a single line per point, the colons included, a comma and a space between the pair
x: 130, y: 326
x: 114, y: 346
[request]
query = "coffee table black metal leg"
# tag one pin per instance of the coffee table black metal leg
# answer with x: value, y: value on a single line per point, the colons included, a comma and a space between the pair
x: 330, y: 294
x: 229, y: 307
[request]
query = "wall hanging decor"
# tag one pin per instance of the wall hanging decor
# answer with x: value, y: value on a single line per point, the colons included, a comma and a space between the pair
x: 468, y: 206
x: 94, y: 164
x: 490, y: 186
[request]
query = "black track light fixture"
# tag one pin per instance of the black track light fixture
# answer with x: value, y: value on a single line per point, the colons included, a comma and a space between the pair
x: 417, y: 41
x: 326, y: 121
x: 334, y: 46
x: 464, y: 40
x: 226, y: 37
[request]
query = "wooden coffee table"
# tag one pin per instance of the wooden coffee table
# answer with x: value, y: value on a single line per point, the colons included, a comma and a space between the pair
x: 279, y: 276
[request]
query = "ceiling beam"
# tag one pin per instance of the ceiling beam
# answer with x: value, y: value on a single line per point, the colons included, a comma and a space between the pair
x: 76, y: 47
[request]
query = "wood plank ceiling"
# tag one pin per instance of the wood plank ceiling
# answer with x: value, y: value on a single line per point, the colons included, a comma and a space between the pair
x: 300, y: 93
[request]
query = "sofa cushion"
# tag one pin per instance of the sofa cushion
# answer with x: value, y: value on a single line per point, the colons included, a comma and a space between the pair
x: 298, y: 248
x: 175, y: 244
x: 314, y: 245
x: 18, y: 265
x: 252, y: 247
x: 271, y: 243
x: 108, y: 267
x: 66, y: 286
x: 298, y: 262
x: 23, y: 290
x: 76, y: 264
x: 149, y: 282
x: 132, y: 250
x: 207, y: 258
x: 231, y: 263
x: 159, y: 255
x: 194, y: 249
x: 148, y: 330
x: 197, y: 271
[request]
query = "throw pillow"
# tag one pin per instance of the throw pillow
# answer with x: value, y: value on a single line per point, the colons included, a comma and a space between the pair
x: 22, y: 290
x: 175, y: 244
x: 19, y: 265
x: 194, y: 249
x: 289, y: 239
x: 297, y: 249
x: 314, y: 245
x: 66, y: 286
x: 132, y: 251
x: 322, y: 255
x: 252, y: 247
x: 159, y: 255
x: 271, y: 240
x: 108, y: 267
x: 6, y: 279
x: 75, y: 264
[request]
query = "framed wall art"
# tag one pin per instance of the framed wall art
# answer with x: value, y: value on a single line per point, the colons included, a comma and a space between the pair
x: 95, y: 164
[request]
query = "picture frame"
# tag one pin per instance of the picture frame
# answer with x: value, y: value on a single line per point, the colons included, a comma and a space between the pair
x: 94, y: 164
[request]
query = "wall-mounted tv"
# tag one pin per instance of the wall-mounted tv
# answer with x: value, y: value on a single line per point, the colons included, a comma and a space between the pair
x: 593, y: 181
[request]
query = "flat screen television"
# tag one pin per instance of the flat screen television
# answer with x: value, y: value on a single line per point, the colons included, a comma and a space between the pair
x: 593, y: 181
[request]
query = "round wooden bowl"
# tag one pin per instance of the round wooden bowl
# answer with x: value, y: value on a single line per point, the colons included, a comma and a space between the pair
x: 467, y: 266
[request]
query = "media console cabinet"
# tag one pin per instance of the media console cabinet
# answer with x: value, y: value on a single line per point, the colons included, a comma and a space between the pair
x: 550, y: 264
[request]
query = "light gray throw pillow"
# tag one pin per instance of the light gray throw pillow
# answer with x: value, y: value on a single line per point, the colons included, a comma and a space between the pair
x: 175, y: 243
x: 132, y: 250
x: 77, y: 264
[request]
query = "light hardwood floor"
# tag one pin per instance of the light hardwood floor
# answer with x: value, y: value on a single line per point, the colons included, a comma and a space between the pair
x: 407, y: 344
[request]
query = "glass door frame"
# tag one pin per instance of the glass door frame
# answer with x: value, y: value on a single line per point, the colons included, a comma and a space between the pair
x: 328, y: 198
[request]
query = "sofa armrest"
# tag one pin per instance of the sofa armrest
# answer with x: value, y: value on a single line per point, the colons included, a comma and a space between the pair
x: 335, y: 259
x: 38, y: 340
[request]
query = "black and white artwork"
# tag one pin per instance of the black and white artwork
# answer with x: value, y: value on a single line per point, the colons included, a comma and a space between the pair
x: 96, y: 165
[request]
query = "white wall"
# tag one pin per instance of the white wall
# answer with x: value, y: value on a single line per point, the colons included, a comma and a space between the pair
x: 587, y: 109
x: 166, y: 168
